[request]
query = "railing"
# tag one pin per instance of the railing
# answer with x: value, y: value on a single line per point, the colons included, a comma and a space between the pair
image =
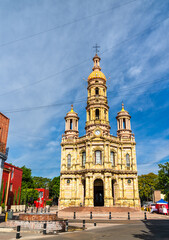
x: 2, y: 148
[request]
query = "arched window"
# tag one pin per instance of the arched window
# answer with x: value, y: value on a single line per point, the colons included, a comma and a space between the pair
x: 83, y: 158
x: 112, y: 158
x: 97, y: 91
x: 71, y: 124
x: 124, y: 123
x: 98, y: 157
x: 68, y: 160
x: 128, y: 160
x: 97, y: 114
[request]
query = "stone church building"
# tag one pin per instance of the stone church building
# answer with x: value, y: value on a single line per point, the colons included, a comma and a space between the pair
x: 98, y: 169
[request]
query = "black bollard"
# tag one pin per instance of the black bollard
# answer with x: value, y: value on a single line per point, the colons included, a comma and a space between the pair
x: 18, y: 232
x: 44, y: 229
x: 32, y: 210
x: 109, y: 215
x: 95, y: 224
x: 37, y: 210
x: 66, y: 229
x: 25, y: 209
x: 74, y: 215
x: 90, y: 215
x: 83, y: 224
x: 128, y: 215
x: 145, y: 216
x: 41, y: 210
x: 45, y: 210
x: 49, y: 209
x: 56, y: 214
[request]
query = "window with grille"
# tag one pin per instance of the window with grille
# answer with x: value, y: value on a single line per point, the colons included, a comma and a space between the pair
x: 128, y: 160
x: 98, y: 157
x: 69, y: 160
x: 112, y: 158
x: 83, y: 158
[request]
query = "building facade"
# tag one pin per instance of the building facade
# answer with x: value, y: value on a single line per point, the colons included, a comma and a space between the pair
x: 11, y: 185
x: 4, y: 126
x: 98, y: 169
x: 43, y: 197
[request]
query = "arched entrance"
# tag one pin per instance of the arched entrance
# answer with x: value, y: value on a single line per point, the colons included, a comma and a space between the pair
x: 98, y: 193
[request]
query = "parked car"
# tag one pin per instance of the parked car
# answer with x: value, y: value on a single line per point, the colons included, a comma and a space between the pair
x: 152, y: 208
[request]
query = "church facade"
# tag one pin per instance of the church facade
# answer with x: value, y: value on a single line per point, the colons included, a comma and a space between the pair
x: 98, y: 169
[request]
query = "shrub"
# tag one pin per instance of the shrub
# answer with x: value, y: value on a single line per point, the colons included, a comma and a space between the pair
x: 49, y: 203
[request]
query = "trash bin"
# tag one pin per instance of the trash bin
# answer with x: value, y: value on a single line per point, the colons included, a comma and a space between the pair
x: 10, y: 214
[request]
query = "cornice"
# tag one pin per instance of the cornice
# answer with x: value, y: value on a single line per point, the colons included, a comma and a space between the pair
x: 105, y: 170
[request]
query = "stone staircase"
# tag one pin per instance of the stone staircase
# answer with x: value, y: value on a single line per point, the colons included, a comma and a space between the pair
x: 97, y: 212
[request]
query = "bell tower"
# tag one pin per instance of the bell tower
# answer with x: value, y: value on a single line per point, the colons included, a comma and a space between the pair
x: 71, y: 124
x: 123, y: 123
x: 97, y: 109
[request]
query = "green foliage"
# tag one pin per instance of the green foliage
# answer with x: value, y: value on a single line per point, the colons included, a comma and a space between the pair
x: 14, y: 199
x: 29, y: 195
x: 18, y: 195
x: 49, y: 203
x: 147, y: 183
x: 1, y: 192
x: 3, y: 206
x: 5, y: 192
x: 40, y: 182
x: 163, y: 177
x: 54, y: 187
x: 27, y: 180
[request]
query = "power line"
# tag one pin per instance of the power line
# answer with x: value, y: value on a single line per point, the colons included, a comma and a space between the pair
x: 67, y: 69
x: 66, y: 24
x: 82, y: 99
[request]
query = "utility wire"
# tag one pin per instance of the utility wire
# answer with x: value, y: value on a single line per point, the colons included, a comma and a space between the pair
x: 108, y: 49
x: 84, y: 99
x: 66, y: 24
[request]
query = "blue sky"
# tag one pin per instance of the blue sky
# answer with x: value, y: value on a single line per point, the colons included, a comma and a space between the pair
x: 46, y: 55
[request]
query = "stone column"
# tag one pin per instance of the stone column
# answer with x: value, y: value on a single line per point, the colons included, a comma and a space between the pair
x: 91, y: 201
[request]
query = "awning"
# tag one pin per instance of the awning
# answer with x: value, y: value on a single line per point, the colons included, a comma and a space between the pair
x: 161, y: 202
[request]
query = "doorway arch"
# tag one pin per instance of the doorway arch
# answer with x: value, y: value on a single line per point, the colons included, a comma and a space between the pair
x: 98, y: 193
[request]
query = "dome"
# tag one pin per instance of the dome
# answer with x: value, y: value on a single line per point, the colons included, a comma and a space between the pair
x: 96, y: 74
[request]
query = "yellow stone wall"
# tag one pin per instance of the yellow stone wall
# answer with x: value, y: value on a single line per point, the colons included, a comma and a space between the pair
x: 72, y: 193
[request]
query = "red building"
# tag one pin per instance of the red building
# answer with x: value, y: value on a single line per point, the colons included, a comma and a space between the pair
x: 43, y: 197
x: 4, y: 126
x: 11, y: 181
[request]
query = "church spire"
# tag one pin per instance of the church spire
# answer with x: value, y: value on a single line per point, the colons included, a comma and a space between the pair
x: 96, y: 61
x: 97, y: 106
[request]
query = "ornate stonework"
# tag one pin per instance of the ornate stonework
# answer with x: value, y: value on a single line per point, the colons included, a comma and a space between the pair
x: 98, y: 169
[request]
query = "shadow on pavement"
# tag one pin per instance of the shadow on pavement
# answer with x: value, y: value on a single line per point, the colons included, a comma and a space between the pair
x: 155, y: 229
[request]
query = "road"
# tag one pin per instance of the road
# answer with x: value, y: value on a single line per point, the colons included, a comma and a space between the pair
x: 152, y: 229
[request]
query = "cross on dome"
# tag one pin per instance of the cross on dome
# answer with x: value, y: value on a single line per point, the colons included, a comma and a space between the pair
x: 96, y: 47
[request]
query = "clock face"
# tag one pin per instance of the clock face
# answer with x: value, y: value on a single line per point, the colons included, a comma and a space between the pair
x: 97, y: 132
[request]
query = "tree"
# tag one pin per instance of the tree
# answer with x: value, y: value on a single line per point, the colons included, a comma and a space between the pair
x: 147, y: 184
x: 27, y: 180
x: 18, y: 196
x: 163, y: 178
x: 40, y: 182
x: 54, y: 188
x: 1, y: 191
x: 29, y: 195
